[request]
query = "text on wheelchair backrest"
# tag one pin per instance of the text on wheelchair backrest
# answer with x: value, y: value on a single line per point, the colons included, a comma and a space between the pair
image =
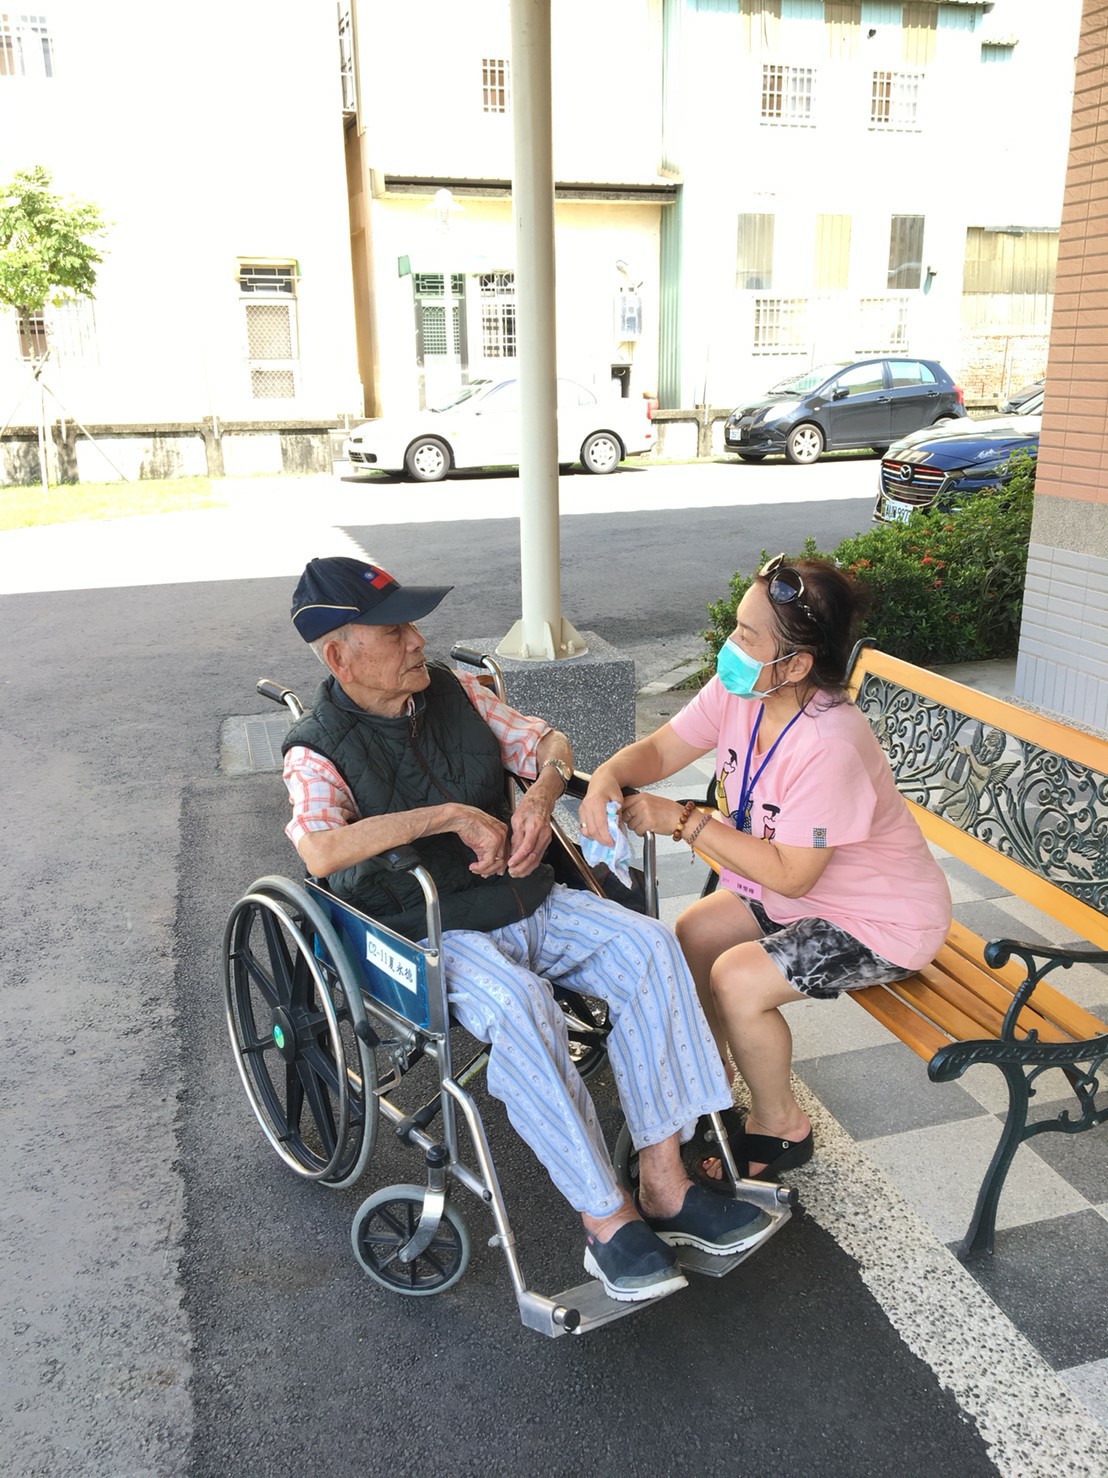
x: 395, y: 966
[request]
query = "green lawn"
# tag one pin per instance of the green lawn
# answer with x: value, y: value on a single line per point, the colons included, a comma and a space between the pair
x: 28, y: 507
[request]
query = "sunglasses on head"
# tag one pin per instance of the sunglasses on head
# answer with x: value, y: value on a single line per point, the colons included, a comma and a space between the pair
x: 785, y: 586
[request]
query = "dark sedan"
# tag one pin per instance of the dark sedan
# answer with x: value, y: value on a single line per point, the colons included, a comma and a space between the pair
x: 926, y: 471
x: 870, y: 403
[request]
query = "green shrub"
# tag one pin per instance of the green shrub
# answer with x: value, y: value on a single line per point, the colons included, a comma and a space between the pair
x: 944, y: 587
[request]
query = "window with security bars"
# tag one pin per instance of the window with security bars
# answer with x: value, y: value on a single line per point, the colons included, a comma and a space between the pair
x: 788, y: 94
x: 881, y: 326
x: 496, y: 85
x: 781, y: 326
x: 754, y: 263
x: 431, y: 315
x: 31, y: 329
x: 26, y: 46
x: 346, y: 58
x: 905, y: 252
x: 894, y: 101
x: 269, y: 309
x: 497, y: 293
x: 265, y: 277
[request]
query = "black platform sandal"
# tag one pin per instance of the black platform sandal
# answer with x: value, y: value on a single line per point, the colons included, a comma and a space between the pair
x: 770, y: 1150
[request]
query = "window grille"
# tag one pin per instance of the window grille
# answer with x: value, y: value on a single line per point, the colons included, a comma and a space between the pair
x: 788, y: 94
x: 881, y: 326
x: 905, y: 252
x: 269, y: 308
x: 72, y: 332
x: 260, y: 277
x: 894, y: 101
x: 26, y: 46
x: 346, y: 59
x: 754, y: 265
x: 429, y: 284
x: 496, y: 85
x: 781, y: 325
x: 497, y: 291
x: 31, y: 329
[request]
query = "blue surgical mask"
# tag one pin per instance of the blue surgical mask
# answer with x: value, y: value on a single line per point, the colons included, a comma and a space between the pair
x: 738, y: 673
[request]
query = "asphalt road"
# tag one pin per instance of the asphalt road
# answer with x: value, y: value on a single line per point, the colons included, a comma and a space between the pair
x: 175, y: 1302
x: 641, y: 579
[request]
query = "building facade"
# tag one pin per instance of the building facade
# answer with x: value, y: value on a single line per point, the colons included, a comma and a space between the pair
x: 1063, y: 657
x: 429, y: 161
x: 210, y: 137
x: 860, y: 176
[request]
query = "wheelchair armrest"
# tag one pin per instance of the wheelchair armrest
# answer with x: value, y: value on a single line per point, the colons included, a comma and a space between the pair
x: 401, y: 859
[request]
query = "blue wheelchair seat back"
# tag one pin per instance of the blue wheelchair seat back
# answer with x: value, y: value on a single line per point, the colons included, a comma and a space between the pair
x: 391, y: 969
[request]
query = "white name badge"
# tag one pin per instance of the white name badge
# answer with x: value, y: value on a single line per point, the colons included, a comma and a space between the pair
x: 395, y: 966
x: 734, y: 882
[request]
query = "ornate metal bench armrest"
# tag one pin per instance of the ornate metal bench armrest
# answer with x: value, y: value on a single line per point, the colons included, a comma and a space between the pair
x: 999, y: 951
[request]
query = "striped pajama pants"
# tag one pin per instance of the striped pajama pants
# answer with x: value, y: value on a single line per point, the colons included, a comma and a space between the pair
x: 666, y: 1067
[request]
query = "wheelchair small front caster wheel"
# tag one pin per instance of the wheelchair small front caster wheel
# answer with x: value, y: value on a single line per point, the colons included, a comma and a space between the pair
x: 386, y: 1223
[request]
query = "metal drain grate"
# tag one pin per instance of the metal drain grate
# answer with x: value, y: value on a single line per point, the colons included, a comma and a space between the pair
x: 250, y: 743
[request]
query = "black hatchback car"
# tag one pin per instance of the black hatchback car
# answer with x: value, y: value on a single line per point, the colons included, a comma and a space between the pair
x: 870, y: 403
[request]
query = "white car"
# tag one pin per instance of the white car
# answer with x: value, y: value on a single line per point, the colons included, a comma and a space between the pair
x: 480, y: 427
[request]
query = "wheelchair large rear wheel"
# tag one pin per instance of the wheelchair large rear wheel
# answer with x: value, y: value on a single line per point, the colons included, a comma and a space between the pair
x: 387, y: 1221
x: 310, y: 1077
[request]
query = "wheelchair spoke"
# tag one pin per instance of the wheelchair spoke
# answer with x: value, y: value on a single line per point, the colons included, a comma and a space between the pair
x: 319, y: 1106
x: 294, y: 1098
x: 257, y: 973
x: 302, y: 983
x: 279, y: 959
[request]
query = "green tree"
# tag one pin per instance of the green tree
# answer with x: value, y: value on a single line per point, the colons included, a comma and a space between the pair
x: 48, y: 251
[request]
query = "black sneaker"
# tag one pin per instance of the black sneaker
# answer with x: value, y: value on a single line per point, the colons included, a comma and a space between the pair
x: 633, y: 1264
x: 715, y: 1224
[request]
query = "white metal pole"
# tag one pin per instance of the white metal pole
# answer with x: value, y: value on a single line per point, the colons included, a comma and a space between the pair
x: 542, y: 632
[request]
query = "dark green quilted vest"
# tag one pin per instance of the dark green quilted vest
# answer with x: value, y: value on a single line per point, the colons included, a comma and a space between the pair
x: 380, y: 760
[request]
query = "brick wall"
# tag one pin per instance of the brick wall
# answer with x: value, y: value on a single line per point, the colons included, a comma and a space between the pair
x: 1063, y: 661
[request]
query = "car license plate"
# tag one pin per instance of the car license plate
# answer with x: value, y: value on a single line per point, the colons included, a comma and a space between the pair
x: 897, y: 512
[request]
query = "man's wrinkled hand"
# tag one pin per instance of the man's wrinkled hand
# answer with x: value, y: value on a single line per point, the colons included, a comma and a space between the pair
x: 530, y: 836
x: 487, y: 838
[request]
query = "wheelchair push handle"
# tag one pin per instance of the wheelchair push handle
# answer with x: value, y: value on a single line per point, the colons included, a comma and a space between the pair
x: 401, y: 859
x: 472, y: 658
x: 277, y: 693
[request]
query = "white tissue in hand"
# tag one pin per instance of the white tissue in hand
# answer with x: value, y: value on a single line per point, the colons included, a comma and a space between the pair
x: 618, y: 857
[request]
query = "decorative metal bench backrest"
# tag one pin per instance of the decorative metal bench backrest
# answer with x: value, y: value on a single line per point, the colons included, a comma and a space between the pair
x: 984, y: 769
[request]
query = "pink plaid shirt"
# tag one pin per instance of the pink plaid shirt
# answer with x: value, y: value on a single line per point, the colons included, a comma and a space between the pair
x: 321, y: 799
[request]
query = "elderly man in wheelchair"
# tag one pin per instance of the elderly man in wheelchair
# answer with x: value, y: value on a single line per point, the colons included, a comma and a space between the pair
x: 398, y: 752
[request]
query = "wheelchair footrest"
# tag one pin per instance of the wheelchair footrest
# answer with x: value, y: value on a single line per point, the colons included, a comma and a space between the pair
x: 717, y: 1265
x: 594, y: 1307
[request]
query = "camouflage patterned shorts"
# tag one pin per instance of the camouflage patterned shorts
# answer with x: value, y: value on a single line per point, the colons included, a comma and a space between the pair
x: 819, y: 959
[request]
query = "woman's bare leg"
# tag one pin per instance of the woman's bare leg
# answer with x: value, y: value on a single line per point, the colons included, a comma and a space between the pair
x: 748, y: 987
x: 705, y: 931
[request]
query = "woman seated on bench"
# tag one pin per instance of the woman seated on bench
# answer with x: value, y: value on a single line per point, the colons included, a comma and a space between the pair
x: 827, y: 884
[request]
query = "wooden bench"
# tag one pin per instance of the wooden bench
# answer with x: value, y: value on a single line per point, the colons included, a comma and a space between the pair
x: 1023, y: 800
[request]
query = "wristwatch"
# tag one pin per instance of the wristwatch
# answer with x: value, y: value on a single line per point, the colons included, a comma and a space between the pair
x: 563, y: 770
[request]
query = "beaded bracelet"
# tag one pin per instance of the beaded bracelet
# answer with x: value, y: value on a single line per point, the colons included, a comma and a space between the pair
x: 698, y: 829
x: 687, y: 810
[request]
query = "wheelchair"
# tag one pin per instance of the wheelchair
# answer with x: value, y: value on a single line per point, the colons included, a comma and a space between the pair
x: 328, y: 1011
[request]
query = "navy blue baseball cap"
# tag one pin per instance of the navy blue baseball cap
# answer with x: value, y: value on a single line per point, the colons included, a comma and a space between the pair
x: 333, y: 591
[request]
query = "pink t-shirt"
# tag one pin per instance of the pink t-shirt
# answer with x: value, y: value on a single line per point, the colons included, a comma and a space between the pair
x: 829, y: 785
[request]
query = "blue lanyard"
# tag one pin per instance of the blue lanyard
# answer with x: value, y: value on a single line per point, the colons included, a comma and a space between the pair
x: 746, y: 795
